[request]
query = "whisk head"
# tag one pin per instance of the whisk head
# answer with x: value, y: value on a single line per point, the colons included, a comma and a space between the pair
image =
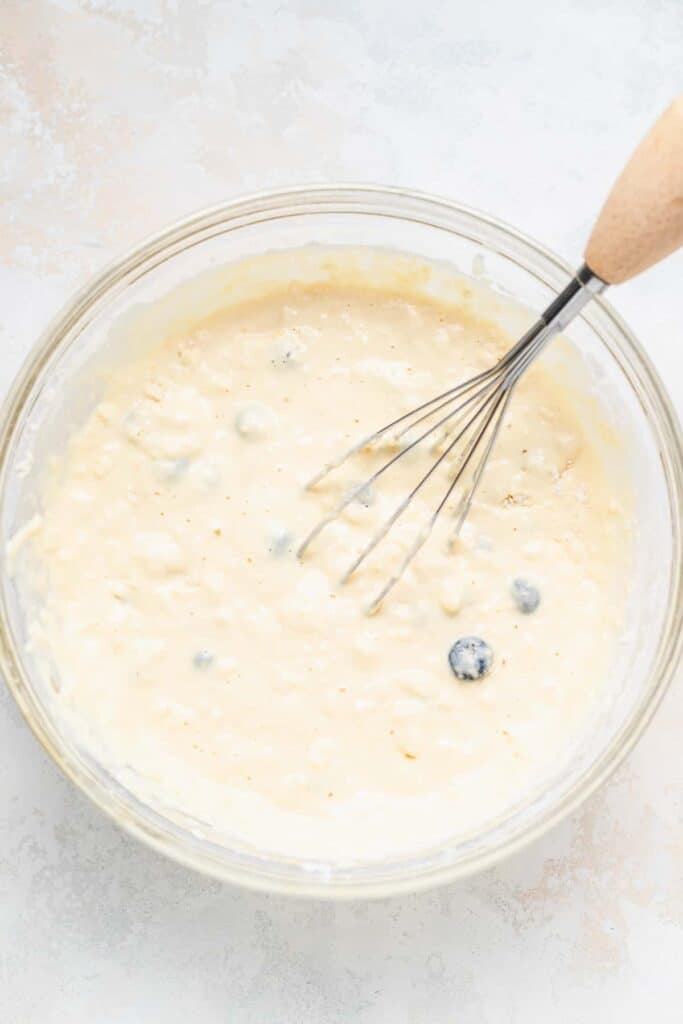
x: 463, y: 422
x: 468, y: 417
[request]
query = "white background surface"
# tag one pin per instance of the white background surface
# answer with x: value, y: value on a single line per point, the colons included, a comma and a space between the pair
x: 116, y: 117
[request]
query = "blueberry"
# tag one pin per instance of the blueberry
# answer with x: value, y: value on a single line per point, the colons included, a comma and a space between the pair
x: 280, y: 542
x: 470, y: 657
x: 171, y: 469
x: 366, y: 496
x: 526, y: 596
x: 203, y: 659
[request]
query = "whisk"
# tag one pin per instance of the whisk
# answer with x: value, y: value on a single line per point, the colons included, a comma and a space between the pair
x: 640, y: 223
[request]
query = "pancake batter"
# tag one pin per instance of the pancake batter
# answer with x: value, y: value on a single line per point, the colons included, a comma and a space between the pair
x: 218, y: 674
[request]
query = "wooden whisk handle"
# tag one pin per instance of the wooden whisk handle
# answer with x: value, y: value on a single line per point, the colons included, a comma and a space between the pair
x: 642, y: 219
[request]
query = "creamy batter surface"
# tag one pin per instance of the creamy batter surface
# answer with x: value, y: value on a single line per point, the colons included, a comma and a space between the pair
x: 217, y: 674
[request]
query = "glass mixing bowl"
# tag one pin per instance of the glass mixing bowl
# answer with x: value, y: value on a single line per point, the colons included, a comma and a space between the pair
x: 57, y: 386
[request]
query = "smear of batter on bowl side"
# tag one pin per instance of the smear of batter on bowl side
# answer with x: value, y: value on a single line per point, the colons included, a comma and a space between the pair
x: 217, y: 674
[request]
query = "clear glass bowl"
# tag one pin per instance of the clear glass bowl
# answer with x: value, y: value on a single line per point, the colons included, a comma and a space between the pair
x: 57, y: 386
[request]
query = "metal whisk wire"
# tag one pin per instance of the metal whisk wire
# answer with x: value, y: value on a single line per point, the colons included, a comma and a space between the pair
x: 481, y: 402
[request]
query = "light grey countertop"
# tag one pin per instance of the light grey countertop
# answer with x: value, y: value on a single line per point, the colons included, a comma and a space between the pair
x: 118, y: 116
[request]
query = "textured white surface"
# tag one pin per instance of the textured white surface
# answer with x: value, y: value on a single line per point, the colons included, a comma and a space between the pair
x: 116, y: 117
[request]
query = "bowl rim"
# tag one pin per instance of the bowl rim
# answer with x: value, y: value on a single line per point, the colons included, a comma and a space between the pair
x: 340, y: 198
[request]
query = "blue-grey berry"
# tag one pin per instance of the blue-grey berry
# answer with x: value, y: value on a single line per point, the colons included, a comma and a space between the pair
x: 171, y: 469
x: 470, y: 657
x: 280, y: 542
x: 526, y: 596
x: 365, y: 495
x: 203, y: 659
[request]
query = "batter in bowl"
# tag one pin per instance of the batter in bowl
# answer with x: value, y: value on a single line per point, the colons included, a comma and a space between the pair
x: 218, y: 675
